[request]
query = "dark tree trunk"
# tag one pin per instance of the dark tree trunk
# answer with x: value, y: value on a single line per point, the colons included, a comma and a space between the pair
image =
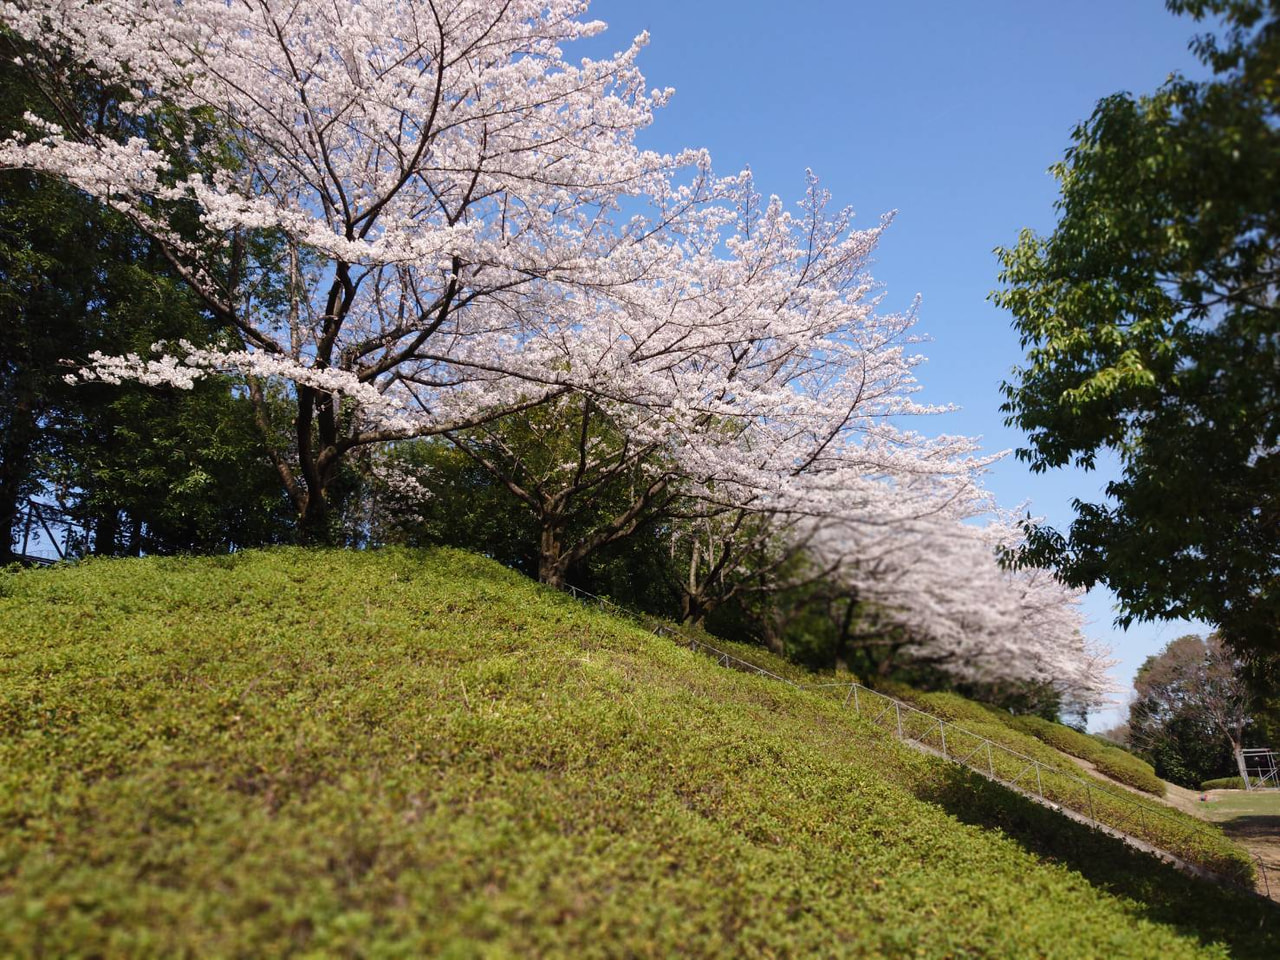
x: 692, y: 609
x: 17, y: 452
x: 135, y: 537
x: 773, y: 636
x: 106, y: 534
x: 842, y: 638
x: 315, y: 522
x: 551, y: 558
x: 888, y: 662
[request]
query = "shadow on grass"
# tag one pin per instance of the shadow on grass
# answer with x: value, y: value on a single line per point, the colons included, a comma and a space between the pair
x: 1261, y: 833
x: 1261, y: 825
x: 1249, y: 925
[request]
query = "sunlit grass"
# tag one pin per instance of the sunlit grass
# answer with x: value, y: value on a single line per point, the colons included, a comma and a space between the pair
x: 406, y: 753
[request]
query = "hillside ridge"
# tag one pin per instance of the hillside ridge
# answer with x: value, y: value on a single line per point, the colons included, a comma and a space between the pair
x: 405, y: 752
x: 1186, y: 844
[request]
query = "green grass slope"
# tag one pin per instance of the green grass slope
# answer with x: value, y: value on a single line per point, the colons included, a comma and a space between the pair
x: 1111, y: 761
x: 1115, y: 763
x: 406, y: 753
x: 1062, y: 780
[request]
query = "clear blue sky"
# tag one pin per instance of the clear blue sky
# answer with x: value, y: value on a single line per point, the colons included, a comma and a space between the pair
x: 949, y: 113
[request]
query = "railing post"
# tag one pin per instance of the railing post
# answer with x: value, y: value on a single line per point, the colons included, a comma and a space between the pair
x: 991, y: 766
x: 26, y: 530
x: 897, y: 711
x: 1089, y: 790
x: 44, y: 525
x: 942, y: 731
x: 848, y: 695
x: 1039, y: 783
x: 857, y: 707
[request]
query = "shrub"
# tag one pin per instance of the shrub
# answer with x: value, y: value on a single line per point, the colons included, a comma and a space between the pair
x: 1224, y: 783
x: 1060, y: 781
x: 1111, y: 761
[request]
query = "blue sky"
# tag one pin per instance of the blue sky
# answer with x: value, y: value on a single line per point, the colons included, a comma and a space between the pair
x: 949, y: 113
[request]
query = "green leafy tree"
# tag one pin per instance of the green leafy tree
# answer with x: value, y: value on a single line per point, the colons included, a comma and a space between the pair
x: 1193, y: 712
x: 1153, y: 333
x: 143, y: 471
x: 41, y: 284
x: 433, y: 492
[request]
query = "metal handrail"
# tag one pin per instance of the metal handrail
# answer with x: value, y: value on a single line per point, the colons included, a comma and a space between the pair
x: 44, y: 514
x: 1033, y: 763
x: 987, y: 746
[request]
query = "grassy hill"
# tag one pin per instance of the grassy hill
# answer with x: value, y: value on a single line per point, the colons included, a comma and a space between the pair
x: 1115, y: 787
x: 398, y: 753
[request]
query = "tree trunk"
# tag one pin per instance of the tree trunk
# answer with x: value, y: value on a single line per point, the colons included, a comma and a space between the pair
x: 1237, y: 750
x: 16, y: 457
x: 551, y: 558
x: 106, y: 534
x: 135, y: 537
x: 313, y: 523
x: 693, y: 604
x: 842, y: 638
x: 316, y: 519
x: 881, y: 666
x: 773, y: 636
x: 692, y: 608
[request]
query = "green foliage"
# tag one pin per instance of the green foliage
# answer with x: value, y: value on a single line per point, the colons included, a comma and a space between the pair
x: 1110, y: 760
x: 187, y: 469
x: 449, y: 760
x: 467, y: 507
x: 1185, y: 753
x: 1192, y: 709
x: 146, y: 471
x: 1151, y: 334
x: 1223, y: 783
x: 578, y: 480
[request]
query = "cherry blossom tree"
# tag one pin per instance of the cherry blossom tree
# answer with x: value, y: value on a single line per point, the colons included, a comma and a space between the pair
x: 934, y: 590
x: 785, y: 544
x: 422, y: 184
x: 777, y: 403
x: 423, y: 219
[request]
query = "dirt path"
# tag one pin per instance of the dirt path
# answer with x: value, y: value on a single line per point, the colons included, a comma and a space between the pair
x: 1250, y: 819
x: 1085, y: 764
